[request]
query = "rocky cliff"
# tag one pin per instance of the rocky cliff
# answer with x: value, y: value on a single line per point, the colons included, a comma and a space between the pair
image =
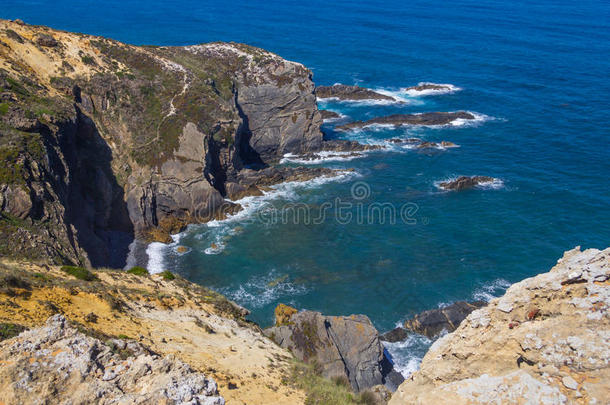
x: 103, y: 140
x: 122, y: 323
x: 546, y: 341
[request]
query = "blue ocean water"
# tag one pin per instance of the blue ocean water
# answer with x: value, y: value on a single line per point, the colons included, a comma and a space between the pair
x: 537, y: 71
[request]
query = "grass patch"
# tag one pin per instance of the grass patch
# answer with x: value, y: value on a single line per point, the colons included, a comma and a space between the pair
x: 10, y: 330
x: 168, y: 275
x: 80, y: 273
x: 3, y: 108
x: 323, y: 391
x: 138, y: 271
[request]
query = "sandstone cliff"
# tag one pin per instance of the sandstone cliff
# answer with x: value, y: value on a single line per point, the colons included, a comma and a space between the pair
x: 546, y: 341
x: 103, y: 140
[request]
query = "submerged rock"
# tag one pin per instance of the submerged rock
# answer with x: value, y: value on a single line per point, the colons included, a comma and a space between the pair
x: 465, y: 182
x: 429, y: 118
x: 544, y: 342
x: 350, y: 93
x: 62, y: 365
x: 343, y: 346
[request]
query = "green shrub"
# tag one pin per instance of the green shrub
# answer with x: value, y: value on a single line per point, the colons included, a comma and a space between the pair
x: 138, y: 271
x: 168, y: 275
x: 87, y: 60
x: 3, y: 108
x: 9, y: 330
x: 80, y: 273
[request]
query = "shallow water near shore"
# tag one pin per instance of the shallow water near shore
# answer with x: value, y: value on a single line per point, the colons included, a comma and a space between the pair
x: 536, y: 74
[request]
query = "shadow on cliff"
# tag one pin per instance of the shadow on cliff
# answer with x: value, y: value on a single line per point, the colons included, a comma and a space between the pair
x: 94, y: 201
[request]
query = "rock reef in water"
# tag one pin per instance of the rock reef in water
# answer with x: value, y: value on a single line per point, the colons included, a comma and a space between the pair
x: 465, y: 182
x: 395, y: 120
x: 58, y: 364
x: 545, y: 341
x: 343, y: 346
x: 350, y: 93
x: 329, y: 115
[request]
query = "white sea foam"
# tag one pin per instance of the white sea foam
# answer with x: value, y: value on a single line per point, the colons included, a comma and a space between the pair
x: 323, y: 157
x: 260, y: 291
x: 447, y: 89
x: 252, y: 204
x: 407, y: 354
x: 156, y: 257
x: 491, y: 290
x: 341, y: 117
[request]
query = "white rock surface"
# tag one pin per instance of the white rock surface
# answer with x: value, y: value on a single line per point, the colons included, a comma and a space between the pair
x: 546, y: 341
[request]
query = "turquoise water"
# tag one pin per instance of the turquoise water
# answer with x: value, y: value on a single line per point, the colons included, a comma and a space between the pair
x: 536, y: 71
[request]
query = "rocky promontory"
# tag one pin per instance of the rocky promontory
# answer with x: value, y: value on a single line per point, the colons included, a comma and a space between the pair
x: 395, y: 120
x: 351, y: 93
x: 545, y: 341
x: 104, y: 141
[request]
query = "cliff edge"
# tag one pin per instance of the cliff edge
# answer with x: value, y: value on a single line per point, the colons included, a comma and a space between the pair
x: 546, y: 341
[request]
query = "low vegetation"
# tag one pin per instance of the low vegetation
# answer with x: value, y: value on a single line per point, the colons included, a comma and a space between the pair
x: 320, y: 390
x: 138, y: 271
x: 80, y: 273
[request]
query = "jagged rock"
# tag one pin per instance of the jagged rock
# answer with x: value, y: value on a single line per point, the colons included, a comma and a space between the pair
x: 557, y: 356
x: 344, y: 92
x: 342, y: 145
x: 343, y: 346
x: 429, y: 118
x: 61, y: 365
x: 432, y: 322
x: 329, y: 115
x: 465, y: 182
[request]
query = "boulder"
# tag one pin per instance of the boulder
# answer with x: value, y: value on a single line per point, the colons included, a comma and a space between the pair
x: 432, y: 322
x: 465, y: 182
x: 429, y: 118
x: 343, y: 346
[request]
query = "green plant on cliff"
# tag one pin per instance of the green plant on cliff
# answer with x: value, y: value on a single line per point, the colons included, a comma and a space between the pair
x: 9, y: 330
x: 138, y: 271
x: 168, y: 275
x: 80, y: 273
x: 322, y: 391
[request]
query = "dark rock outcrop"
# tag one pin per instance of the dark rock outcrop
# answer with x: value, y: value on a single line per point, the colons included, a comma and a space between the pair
x: 429, y: 86
x: 429, y: 118
x: 329, y: 115
x: 465, y: 182
x: 350, y: 93
x: 432, y: 322
x: 343, y: 346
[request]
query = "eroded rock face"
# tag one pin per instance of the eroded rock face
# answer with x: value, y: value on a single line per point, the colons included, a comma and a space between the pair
x: 465, y: 182
x: 136, y: 140
x: 343, y: 346
x: 545, y: 341
x: 58, y: 364
x: 329, y: 115
x: 354, y: 93
x: 429, y: 118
